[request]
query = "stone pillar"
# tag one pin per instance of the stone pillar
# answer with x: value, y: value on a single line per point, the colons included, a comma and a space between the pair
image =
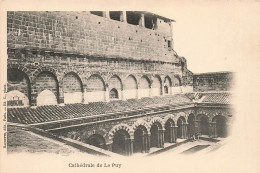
x: 185, y: 126
x: 182, y: 131
x: 107, y: 95
x: 163, y: 93
x: 85, y: 95
x: 148, y: 142
x: 138, y: 93
x: 214, y: 129
x: 143, y: 143
x: 151, y: 91
x: 33, y: 95
x: 109, y: 146
x: 158, y: 138
x: 106, y: 14
x: 175, y: 134
x: 162, y: 138
x: 141, y: 22
x: 171, y: 134
x: 123, y: 17
x: 122, y: 95
x: 197, y: 126
x: 129, y: 146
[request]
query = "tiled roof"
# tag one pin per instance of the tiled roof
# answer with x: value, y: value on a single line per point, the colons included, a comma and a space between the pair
x: 218, y: 98
x: 211, y: 97
x: 53, y: 112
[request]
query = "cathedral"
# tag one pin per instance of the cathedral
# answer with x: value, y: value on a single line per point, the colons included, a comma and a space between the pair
x: 109, y: 82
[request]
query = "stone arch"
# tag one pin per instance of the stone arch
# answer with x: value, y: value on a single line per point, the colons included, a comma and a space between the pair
x: 117, y: 127
x: 191, y: 125
x: 181, y: 114
x: 47, y: 83
x: 140, y: 139
x: 45, y: 69
x: 156, y: 130
x: 167, y: 85
x: 130, y: 87
x: 177, y: 80
x: 99, y: 131
x: 140, y: 123
x: 144, y: 86
x: 169, y: 116
x: 18, y: 88
x: 221, y: 125
x: 72, y: 88
x: 157, y: 86
x: 169, y: 134
x: 181, y: 125
x: 155, y: 119
x: 203, y: 124
x: 115, y: 83
x: 96, y: 140
x: 21, y: 68
x: 96, y: 89
x: 176, y: 83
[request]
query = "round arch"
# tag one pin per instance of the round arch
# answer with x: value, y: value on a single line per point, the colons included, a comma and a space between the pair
x: 18, y: 88
x: 203, y: 124
x: 181, y: 127
x: 191, y: 125
x: 144, y: 86
x: 120, y: 142
x: 176, y: 83
x: 167, y: 85
x: 96, y: 140
x: 130, y: 87
x: 72, y: 88
x: 169, y: 130
x: 157, y: 86
x: 47, y: 87
x: 140, y: 139
x: 115, y: 85
x: 221, y: 125
x: 96, y: 89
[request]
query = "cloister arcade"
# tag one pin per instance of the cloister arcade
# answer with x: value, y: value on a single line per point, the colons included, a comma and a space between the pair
x: 145, y: 134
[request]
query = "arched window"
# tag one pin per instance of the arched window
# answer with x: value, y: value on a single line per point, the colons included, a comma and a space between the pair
x: 113, y: 94
x: 166, y: 90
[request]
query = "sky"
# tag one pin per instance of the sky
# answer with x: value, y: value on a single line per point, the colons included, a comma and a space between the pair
x: 215, y: 36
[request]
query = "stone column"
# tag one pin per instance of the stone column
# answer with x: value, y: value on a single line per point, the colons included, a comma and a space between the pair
x: 123, y: 17
x: 197, y: 126
x: 158, y: 138
x: 148, y: 137
x: 129, y: 146
x: 151, y: 91
x: 109, y: 146
x: 175, y: 134
x: 85, y: 95
x: 107, y: 95
x: 163, y: 94
x: 214, y: 130
x: 141, y: 21
x: 185, y: 126
x: 171, y: 134
x: 33, y: 95
x: 182, y: 131
x: 162, y: 138
x: 106, y: 14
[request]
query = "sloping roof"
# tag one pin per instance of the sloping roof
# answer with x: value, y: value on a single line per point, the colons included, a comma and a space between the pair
x: 53, y: 112
x: 211, y: 97
x: 218, y: 98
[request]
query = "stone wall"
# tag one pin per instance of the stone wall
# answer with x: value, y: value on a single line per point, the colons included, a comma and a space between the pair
x: 219, y: 81
x: 86, y: 33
